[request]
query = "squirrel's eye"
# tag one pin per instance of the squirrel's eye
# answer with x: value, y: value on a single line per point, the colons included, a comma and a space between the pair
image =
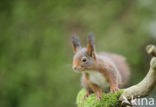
x: 84, y: 59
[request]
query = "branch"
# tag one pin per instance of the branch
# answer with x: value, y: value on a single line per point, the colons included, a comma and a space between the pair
x: 151, y: 49
x: 143, y: 88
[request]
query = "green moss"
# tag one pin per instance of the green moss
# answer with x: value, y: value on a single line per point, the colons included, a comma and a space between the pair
x: 107, y: 100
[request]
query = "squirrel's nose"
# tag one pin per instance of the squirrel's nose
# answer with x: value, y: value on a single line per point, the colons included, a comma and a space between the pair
x: 75, y: 68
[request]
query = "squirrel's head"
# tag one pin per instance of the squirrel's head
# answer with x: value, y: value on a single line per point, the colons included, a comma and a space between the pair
x: 84, y: 58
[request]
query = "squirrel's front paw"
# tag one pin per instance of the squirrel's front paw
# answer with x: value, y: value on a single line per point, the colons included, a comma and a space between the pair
x: 98, y: 97
x: 86, y: 95
x: 114, y: 89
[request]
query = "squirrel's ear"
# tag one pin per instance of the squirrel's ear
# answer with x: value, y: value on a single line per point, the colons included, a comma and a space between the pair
x: 90, y: 45
x: 75, y: 43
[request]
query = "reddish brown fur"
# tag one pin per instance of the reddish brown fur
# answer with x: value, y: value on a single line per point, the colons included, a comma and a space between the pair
x: 121, y: 64
x: 76, y: 62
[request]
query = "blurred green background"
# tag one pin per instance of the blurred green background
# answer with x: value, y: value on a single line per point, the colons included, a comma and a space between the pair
x: 35, y: 45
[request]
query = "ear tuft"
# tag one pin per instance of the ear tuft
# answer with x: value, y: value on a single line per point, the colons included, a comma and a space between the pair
x: 91, y: 38
x: 75, y: 40
x: 90, y: 45
x: 75, y: 43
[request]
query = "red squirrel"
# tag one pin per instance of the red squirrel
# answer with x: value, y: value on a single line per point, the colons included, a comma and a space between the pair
x: 100, y: 71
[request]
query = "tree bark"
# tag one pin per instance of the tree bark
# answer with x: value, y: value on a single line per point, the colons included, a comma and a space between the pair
x: 143, y: 88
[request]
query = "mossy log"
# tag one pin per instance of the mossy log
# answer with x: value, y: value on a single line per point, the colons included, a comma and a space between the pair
x: 141, y: 89
x: 107, y: 100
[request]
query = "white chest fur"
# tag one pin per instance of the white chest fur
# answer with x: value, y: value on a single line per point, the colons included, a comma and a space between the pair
x: 98, y: 79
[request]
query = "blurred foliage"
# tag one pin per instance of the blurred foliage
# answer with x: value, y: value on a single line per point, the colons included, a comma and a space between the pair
x: 35, y: 45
